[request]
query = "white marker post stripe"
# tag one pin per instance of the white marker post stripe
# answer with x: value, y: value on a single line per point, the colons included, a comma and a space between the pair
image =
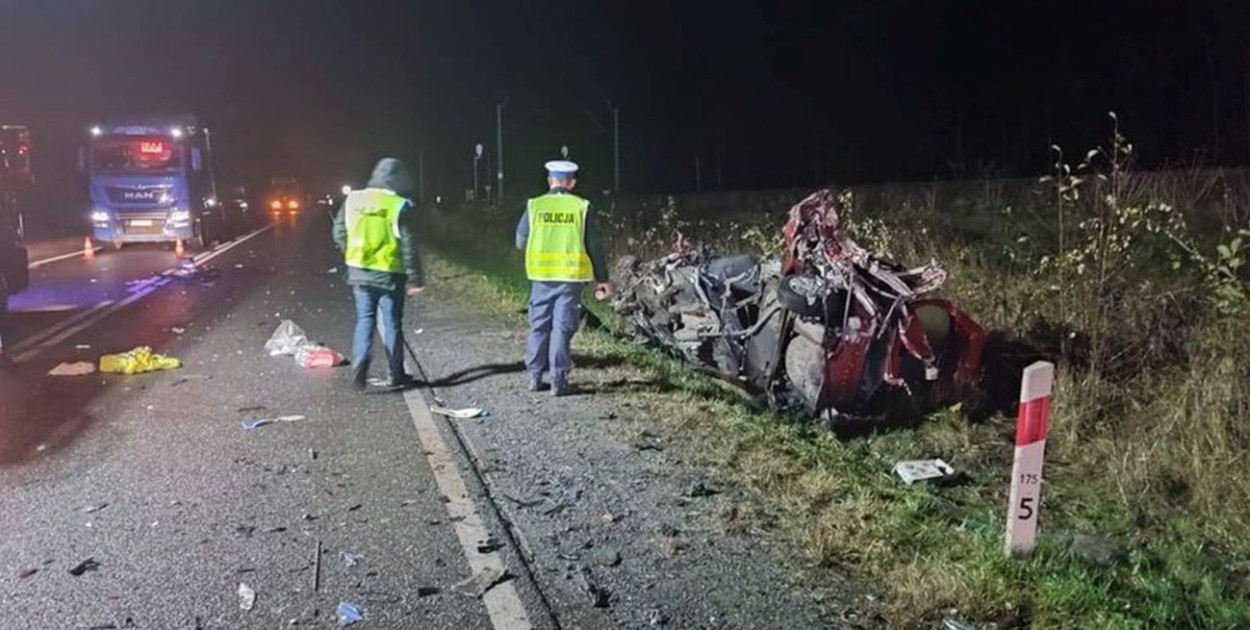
x: 503, y: 603
x: 1024, y: 501
x: 104, y: 309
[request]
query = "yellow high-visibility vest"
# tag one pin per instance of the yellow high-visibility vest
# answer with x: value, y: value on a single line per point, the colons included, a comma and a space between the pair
x: 372, y: 220
x: 556, y: 249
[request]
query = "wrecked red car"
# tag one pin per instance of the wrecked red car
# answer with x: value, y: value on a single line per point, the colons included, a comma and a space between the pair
x: 826, y: 328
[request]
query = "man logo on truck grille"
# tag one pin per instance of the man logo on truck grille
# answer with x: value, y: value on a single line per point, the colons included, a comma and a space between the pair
x: 140, y: 195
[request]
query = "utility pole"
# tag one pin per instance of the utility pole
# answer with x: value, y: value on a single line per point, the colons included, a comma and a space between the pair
x: 616, y: 149
x: 499, y: 148
x: 477, y: 156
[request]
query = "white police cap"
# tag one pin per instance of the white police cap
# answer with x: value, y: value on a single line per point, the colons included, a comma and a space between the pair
x: 561, y: 168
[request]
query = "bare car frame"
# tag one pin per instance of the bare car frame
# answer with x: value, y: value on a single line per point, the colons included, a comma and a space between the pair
x: 826, y: 328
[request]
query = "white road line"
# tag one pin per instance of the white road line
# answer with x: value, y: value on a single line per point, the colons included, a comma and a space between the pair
x: 40, y: 263
x: 59, y: 326
x: 78, y: 323
x: 503, y: 603
x: 221, y: 249
x: 97, y: 314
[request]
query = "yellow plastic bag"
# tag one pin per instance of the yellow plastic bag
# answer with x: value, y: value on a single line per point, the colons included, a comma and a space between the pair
x: 139, y: 360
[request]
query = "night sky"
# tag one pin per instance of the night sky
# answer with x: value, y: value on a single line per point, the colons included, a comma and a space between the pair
x: 761, y: 94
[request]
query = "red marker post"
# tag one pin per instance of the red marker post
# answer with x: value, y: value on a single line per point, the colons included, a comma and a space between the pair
x: 1026, y: 472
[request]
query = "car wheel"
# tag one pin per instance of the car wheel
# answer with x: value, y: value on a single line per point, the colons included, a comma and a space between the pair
x: 800, y: 296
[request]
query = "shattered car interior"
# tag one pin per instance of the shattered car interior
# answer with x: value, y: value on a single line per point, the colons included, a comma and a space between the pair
x: 824, y: 328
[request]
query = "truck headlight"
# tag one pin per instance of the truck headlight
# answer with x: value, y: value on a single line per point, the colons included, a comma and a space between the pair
x: 100, y: 216
x: 178, y: 216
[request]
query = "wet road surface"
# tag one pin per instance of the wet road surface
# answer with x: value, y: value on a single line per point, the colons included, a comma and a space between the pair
x: 141, y: 501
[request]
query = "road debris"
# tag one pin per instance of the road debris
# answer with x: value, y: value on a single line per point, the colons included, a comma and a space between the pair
x: 426, y: 591
x: 248, y: 425
x: 128, y: 622
x: 289, y: 339
x: 177, y: 330
x: 351, y: 559
x: 951, y: 624
x: 83, y: 346
x: 137, y: 361
x: 606, y: 557
x: 78, y: 368
x: 483, y: 581
x: 25, y: 573
x: 318, y: 357
x: 701, y: 488
x: 86, y: 565
x: 599, y: 596
x: 183, y: 380
x: 317, y: 567
x: 461, y: 414
x: 915, y: 470
x: 188, y: 271
x: 523, y: 502
x: 348, y: 614
x: 286, y: 339
x: 656, y: 618
x: 247, y: 597
x: 95, y: 507
x: 332, y: 270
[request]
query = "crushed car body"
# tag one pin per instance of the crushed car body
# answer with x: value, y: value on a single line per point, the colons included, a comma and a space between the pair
x: 826, y: 328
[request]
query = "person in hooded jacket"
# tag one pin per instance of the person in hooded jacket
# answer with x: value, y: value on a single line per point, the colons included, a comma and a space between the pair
x: 375, y: 233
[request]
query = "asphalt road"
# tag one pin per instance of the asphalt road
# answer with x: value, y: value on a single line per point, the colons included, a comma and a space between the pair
x: 152, y: 484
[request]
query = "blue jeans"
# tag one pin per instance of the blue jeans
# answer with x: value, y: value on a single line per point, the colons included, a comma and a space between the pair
x: 368, y: 301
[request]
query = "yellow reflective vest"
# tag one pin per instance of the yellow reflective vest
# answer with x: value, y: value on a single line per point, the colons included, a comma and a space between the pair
x: 556, y: 247
x: 372, y: 221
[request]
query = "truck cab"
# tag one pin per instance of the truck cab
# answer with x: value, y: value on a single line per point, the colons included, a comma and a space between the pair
x: 150, y: 179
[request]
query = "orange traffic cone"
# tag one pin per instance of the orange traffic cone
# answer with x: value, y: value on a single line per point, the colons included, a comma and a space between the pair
x: 88, y: 250
x: 179, y: 250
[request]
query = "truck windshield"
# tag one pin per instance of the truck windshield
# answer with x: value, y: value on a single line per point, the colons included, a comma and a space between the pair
x: 135, y: 154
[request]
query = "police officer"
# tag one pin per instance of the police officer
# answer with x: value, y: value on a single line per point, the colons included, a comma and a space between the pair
x: 562, y: 255
x: 374, y: 231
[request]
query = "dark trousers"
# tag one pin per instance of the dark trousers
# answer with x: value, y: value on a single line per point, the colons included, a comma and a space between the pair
x: 555, y: 312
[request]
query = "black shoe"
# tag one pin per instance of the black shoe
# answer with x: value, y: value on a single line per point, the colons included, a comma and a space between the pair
x: 560, y: 388
x: 360, y: 377
x: 535, y: 384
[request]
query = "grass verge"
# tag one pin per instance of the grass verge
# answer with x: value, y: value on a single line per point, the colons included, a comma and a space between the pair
x: 1104, y: 561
